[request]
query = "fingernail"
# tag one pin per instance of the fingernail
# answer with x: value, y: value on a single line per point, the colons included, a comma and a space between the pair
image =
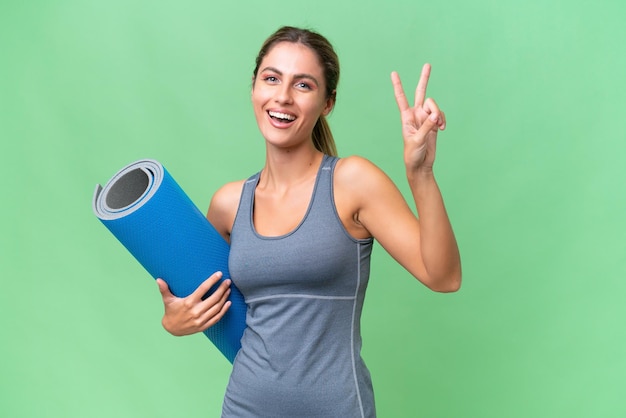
x: 434, y: 117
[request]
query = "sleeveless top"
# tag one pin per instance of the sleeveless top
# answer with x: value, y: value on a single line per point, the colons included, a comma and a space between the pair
x: 300, y: 353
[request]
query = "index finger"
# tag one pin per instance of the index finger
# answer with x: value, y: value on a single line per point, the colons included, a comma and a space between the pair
x: 206, y: 285
x: 420, y: 91
x: 401, y: 100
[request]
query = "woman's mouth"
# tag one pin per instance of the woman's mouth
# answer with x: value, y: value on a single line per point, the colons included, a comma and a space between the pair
x: 281, y: 117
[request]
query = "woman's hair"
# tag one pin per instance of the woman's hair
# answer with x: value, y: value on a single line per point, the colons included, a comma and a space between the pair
x: 322, y: 136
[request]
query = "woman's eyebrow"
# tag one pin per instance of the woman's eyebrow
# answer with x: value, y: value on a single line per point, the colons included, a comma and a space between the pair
x: 302, y: 75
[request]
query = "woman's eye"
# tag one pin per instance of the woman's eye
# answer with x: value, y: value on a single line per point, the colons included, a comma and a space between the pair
x: 271, y: 79
x: 303, y: 85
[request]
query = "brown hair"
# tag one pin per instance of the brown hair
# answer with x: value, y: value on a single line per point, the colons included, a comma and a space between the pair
x: 322, y: 136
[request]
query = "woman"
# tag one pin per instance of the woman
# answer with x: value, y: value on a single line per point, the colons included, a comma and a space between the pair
x: 301, y: 234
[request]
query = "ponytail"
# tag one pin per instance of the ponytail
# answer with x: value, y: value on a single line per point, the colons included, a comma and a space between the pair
x: 323, y: 137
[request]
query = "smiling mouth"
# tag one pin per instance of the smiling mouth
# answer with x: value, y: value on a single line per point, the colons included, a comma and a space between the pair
x: 281, y: 117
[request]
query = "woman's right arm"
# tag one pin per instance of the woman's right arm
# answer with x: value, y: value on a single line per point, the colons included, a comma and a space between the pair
x: 192, y: 314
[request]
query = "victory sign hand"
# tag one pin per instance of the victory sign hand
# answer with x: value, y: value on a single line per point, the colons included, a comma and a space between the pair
x: 420, y: 124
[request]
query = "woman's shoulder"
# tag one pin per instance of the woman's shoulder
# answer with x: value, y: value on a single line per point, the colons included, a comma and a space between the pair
x: 227, y: 197
x: 223, y: 206
x: 357, y: 171
x: 358, y: 183
x: 230, y: 190
x: 359, y: 186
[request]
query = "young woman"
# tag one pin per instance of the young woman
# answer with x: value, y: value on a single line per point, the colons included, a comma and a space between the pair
x: 301, y: 233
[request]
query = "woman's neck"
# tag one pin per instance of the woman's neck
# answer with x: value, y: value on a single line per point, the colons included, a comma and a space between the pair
x: 286, y: 168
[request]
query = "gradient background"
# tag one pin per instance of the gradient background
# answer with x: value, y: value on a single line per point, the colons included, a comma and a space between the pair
x: 531, y: 167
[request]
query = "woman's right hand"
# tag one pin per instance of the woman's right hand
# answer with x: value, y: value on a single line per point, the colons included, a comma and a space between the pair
x: 191, y: 314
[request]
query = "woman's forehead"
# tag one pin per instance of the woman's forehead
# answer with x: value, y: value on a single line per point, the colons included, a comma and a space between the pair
x: 292, y: 58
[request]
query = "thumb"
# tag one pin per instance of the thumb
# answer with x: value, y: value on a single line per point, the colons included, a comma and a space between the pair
x: 431, y: 123
x: 164, y: 289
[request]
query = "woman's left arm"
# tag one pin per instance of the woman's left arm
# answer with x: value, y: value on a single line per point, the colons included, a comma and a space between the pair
x: 426, y: 247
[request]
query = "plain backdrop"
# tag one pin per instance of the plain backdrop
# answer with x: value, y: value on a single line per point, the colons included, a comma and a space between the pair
x: 531, y: 168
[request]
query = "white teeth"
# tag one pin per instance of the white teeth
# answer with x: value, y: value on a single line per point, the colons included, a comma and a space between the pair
x: 284, y: 116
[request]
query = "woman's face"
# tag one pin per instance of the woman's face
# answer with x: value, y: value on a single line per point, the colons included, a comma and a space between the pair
x: 289, y: 94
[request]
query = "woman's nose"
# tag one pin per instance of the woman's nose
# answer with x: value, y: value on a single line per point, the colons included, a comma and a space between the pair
x: 283, y: 94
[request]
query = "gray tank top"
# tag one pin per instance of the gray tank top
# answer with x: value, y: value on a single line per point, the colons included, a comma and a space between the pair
x: 300, y: 353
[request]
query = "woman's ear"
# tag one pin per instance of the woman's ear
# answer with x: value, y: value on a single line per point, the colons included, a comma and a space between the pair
x: 330, y: 103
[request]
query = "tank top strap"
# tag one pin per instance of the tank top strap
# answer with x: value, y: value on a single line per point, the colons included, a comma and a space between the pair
x: 323, y: 194
x: 243, y: 218
x: 328, y: 163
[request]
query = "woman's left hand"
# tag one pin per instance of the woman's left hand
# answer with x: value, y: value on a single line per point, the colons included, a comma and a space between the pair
x: 420, y: 124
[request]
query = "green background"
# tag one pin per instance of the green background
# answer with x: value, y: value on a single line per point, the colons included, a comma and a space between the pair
x: 531, y: 167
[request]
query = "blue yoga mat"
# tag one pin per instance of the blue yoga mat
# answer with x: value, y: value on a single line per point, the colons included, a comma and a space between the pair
x: 148, y: 212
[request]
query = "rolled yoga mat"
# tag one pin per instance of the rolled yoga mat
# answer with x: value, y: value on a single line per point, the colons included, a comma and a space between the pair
x: 148, y: 212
